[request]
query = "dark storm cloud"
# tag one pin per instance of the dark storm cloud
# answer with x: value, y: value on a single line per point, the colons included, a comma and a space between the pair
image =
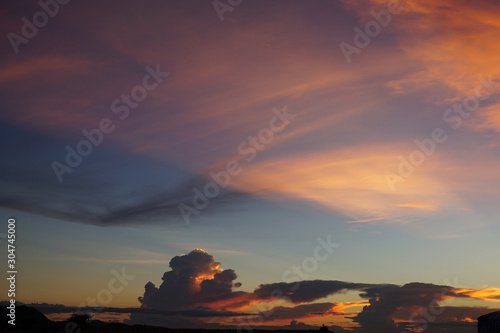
x: 299, y: 311
x: 307, y: 291
x: 194, y: 280
x: 192, y: 313
x: 386, y: 300
x: 450, y: 318
x: 196, y: 287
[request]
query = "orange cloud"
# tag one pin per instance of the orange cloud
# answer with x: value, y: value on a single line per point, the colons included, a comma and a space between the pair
x: 340, y: 307
x: 346, y: 180
x: 491, y: 294
x: 51, y: 66
x: 200, y: 114
x: 490, y: 119
x: 454, y: 41
x: 419, y: 205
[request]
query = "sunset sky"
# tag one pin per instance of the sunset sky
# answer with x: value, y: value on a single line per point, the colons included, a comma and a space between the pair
x: 326, y: 161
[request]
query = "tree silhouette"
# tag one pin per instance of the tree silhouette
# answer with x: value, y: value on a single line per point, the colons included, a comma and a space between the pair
x: 81, y: 320
x: 324, y: 329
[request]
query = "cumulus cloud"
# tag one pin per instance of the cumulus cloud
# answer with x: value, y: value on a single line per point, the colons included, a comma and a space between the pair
x: 194, y: 280
x: 299, y: 311
x: 196, y: 292
x: 386, y: 300
x: 306, y: 291
x: 197, y: 283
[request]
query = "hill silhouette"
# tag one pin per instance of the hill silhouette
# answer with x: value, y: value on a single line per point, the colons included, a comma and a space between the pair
x: 30, y: 320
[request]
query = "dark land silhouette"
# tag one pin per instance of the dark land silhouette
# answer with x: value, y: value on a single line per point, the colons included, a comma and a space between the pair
x: 489, y: 323
x: 30, y: 320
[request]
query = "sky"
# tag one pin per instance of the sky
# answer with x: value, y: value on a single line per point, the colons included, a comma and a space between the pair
x: 251, y: 163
